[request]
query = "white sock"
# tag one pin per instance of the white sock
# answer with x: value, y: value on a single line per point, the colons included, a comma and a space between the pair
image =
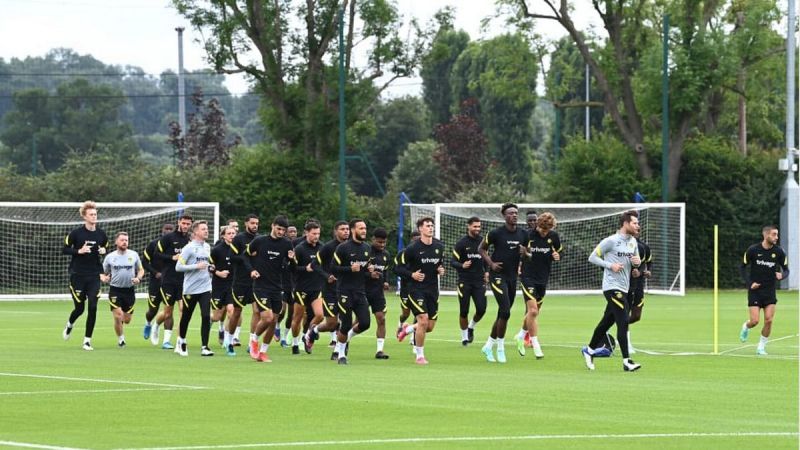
x: 350, y: 334
x: 253, y: 337
x: 630, y: 344
x: 416, y: 351
x: 471, y: 324
x: 489, y: 342
x: 226, y: 340
x: 264, y: 348
x: 535, y: 341
x: 122, y: 337
x: 501, y: 344
x: 410, y: 329
x: 167, y: 335
x: 333, y: 336
x: 521, y: 334
x: 589, y: 350
x: 69, y: 325
x: 340, y: 349
x: 420, y: 352
x: 295, y: 340
x: 380, y: 344
x: 221, y: 328
x: 87, y: 340
x: 762, y: 342
x: 464, y: 335
x: 744, y: 325
x: 399, y: 324
x: 236, y: 332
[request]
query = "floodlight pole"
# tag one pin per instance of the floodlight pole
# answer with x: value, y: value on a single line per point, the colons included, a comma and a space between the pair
x: 790, y: 192
x: 181, y: 85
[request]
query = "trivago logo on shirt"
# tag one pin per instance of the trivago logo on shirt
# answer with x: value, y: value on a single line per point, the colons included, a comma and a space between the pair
x: 430, y: 260
x: 765, y: 263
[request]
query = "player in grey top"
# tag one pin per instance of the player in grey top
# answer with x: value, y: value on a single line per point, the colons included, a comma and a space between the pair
x: 193, y: 262
x: 124, y: 270
x: 617, y: 254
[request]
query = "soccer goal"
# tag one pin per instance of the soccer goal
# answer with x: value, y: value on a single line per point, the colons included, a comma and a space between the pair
x: 581, y: 227
x: 32, y: 236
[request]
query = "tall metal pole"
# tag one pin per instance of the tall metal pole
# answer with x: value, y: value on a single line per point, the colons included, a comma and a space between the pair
x: 34, y: 156
x: 586, y: 111
x: 665, y: 113
x: 181, y: 85
x: 342, y: 136
x: 790, y: 192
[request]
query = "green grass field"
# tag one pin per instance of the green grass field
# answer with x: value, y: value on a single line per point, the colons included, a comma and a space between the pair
x: 55, y: 395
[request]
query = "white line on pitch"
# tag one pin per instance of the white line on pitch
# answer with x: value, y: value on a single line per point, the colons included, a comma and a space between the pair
x: 82, y: 391
x: 29, y: 445
x: 97, y: 380
x: 750, y: 345
x: 476, y: 439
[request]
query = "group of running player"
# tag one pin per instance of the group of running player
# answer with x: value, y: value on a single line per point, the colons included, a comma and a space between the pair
x: 332, y: 287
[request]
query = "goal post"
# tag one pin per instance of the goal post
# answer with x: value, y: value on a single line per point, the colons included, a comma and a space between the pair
x: 581, y: 227
x: 32, y: 236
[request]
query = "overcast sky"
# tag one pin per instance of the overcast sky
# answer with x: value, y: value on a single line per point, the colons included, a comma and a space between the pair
x: 142, y: 32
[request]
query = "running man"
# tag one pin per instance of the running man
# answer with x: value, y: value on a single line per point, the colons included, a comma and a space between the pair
x: 123, y: 270
x: 222, y: 284
x: 269, y: 257
x: 472, y: 279
x: 352, y: 268
x: 341, y: 233
x: 193, y: 262
x: 544, y: 247
x: 422, y: 263
x: 242, y: 283
x: 155, y: 267
x: 768, y: 264
x: 617, y: 255
x: 168, y: 251
x: 85, y: 244
x: 308, y: 290
x: 376, y: 285
x: 508, y: 242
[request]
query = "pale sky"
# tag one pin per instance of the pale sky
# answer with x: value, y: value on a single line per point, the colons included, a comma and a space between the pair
x: 142, y: 32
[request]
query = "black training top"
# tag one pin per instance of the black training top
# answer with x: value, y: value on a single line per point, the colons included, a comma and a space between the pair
x: 241, y: 263
x: 764, y: 263
x: 270, y: 257
x: 348, y: 253
x: 381, y: 260
x: 169, y: 245
x: 506, y: 248
x: 222, y: 259
x: 466, y: 249
x: 305, y: 254
x: 537, y: 268
x: 86, y: 263
x: 426, y: 258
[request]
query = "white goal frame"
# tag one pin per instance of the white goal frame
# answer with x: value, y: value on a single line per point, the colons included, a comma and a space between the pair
x: 75, y: 221
x: 678, y: 283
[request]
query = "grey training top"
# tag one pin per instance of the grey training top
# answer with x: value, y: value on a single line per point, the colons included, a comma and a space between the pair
x: 195, y: 281
x: 618, y: 248
x: 123, y: 267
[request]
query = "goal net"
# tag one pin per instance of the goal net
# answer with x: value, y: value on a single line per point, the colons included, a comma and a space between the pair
x: 581, y: 227
x: 32, y: 236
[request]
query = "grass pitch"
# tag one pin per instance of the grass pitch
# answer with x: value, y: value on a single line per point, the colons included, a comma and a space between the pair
x: 55, y: 395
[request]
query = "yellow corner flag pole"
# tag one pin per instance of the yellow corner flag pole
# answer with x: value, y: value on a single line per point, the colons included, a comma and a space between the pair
x: 716, y: 289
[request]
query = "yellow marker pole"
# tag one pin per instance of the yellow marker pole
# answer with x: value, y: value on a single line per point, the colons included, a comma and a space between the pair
x: 716, y: 289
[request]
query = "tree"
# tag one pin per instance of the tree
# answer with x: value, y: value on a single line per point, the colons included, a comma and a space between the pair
x: 437, y: 64
x: 462, y: 151
x: 206, y: 142
x: 626, y: 65
x: 79, y: 117
x: 416, y: 175
x: 500, y: 74
x: 294, y: 69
